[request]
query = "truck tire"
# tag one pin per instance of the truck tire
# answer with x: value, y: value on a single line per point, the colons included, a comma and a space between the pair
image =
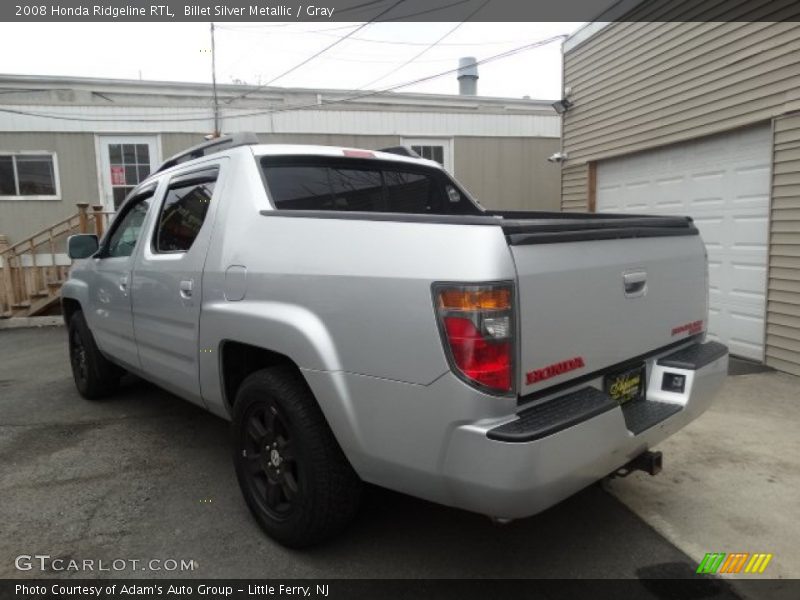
x: 295, y: 478
x: 95, y: 376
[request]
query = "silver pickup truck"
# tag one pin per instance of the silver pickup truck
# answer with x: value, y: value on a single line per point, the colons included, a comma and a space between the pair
x: 359, y: 318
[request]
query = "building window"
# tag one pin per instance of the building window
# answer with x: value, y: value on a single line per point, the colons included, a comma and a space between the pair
x: 29, y: 176
x: 431, y: 152
x: 130, y: 165
x: 436, y: 149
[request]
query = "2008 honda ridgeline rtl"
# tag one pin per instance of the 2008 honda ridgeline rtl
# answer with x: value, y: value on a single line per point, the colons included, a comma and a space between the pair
x: 360, y: 318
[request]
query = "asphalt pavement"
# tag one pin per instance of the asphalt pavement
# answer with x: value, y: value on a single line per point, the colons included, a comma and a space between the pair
x: 146, y: 475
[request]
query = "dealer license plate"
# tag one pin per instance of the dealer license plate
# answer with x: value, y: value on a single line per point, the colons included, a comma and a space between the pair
x: 627, y: 385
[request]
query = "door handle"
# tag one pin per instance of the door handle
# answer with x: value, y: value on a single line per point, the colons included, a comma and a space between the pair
x: 635, y: 284
x: 186, y: 288
x: 123, y: 285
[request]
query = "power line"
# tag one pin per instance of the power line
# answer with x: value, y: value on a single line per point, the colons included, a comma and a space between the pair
x: 290, y: 108
x: 427, y: 48
x: 358, y: 7
x: 427, y: 11
x: 374, y: 20
x: 499, y: 56
x: 313, y: 56
x: 403, y: 43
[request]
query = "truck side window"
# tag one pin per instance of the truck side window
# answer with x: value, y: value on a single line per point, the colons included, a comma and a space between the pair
x: 123, y: 239
x: 183, y: 212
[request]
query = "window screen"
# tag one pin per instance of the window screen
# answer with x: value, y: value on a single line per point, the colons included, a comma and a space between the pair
x: 183, y: 212
x: 303, y: 183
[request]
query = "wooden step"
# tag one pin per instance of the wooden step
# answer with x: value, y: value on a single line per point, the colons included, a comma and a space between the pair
x: 40, y: 294
x: 55, y: 285
x: 21, y: 305
x: 42, y: 305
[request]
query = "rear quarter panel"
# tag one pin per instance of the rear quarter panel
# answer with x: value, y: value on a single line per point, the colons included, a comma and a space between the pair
x: 336, y: 295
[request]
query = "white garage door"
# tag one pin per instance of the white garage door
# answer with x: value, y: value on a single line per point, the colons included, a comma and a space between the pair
x: 723, y: 183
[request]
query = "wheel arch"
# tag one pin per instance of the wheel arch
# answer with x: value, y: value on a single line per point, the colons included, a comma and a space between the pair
x: 238, y: 360
x: 74, y: 296
x: 69, y: 306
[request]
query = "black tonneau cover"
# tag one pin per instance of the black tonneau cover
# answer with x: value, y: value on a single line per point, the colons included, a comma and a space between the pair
x: 522, y: 228
x: 552, y: 227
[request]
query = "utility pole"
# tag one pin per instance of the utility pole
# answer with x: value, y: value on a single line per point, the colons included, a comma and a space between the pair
x: 214, y: 83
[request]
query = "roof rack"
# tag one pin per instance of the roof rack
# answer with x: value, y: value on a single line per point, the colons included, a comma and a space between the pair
x: 401, y: 150
x: 225, y: 142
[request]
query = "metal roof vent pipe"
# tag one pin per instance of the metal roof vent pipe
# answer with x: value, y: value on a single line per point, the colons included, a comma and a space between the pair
x: 467, y: 76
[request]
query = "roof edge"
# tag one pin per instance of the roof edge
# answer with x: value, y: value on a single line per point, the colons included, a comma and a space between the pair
x: 159, y: 85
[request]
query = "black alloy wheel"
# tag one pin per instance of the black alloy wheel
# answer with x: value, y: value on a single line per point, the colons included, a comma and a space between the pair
x: 294, y: 476
x: 273, y: 471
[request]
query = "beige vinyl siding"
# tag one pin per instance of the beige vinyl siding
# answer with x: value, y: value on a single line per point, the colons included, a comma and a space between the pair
x: 574, y: 187
x: 678, y: 82
x: 783, y: 306
x: 640, y: 85
x: 508, y: 173
x: 172, y: 143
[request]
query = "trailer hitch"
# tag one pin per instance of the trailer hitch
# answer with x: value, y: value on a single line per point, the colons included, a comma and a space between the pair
x: 648, y: 461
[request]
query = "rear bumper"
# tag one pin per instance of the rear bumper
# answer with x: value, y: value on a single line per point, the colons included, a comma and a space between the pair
x: 543, y: 463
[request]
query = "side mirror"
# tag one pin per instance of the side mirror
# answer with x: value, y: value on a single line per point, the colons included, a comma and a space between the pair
x: 82, y: 245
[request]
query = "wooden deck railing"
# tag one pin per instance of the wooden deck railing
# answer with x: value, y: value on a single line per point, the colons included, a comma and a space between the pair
x: 33, y: 269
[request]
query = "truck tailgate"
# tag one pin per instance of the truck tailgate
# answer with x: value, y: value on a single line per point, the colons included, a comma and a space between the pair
x: 587, y: 305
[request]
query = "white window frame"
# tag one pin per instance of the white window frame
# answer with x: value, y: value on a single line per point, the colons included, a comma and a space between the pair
x: 101, y: 142
x: 447, y: 143
x: 56, y: 176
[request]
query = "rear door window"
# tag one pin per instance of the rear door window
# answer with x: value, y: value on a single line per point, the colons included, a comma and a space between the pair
x: 184, y: 210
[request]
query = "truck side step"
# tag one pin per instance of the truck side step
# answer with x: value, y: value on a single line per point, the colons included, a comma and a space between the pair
x: 694, y: 357
x: 553, y: 416
x: 641, y: 415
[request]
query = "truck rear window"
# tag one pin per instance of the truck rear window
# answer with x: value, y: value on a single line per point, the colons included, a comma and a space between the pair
x: 348, y: 184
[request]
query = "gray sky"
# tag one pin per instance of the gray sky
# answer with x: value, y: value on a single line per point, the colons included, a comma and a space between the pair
x: 257, y: 52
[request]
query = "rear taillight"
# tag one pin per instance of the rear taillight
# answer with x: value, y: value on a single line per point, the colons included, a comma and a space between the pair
x: 477, y: 326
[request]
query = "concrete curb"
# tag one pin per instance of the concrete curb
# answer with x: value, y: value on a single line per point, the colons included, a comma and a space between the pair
x: 21, y: 322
